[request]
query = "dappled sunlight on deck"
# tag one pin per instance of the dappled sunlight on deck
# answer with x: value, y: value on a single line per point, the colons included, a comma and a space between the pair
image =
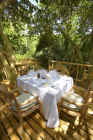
x: 34, y: 126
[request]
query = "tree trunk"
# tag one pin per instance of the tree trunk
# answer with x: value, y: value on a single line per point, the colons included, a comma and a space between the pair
x: 7, y: 60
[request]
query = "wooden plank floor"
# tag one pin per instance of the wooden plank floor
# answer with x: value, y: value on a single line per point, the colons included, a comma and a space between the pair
x: 35, y: 127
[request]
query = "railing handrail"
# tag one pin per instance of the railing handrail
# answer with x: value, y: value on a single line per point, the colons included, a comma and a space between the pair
x: 81, y: 73
x: 71, y: 63
x: 26, y: 62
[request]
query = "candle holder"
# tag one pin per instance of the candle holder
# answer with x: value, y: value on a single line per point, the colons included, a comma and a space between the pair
x: 38, y: 75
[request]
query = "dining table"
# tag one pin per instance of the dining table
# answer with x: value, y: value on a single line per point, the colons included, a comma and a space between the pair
x: 50, y: 87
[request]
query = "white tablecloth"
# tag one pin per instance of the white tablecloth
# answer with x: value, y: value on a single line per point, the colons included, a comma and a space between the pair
x: 49, y: 90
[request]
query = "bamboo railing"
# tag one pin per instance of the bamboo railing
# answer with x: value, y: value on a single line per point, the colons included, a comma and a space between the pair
x: 81, y: 73
x: 25, y: 65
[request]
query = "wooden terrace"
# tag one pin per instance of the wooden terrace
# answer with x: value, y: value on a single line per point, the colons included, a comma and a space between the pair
x: 35, y: 127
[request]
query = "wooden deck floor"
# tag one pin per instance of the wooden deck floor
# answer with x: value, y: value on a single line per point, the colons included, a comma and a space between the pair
x: 35, y: 128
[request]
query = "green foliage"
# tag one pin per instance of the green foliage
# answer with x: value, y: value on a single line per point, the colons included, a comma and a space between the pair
x: 17, y: 36
x: 50, y: 30
x: 31, y: 44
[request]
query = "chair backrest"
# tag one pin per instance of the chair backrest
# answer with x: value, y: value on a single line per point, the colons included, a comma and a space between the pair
x: 21, y: 105
x: 61, y: 69
x: 8, y: 95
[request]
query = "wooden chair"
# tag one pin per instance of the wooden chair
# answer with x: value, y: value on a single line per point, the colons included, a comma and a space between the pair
x: 20, y: 106
x: 90, y: 103
x: 76, y: 102
x: 61, y: 68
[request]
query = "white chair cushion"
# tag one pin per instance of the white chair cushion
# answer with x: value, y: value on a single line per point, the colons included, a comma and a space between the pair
x: 24, y: 98
x: 26, y: 101
x: 74, y: 98
x: 70, y: 106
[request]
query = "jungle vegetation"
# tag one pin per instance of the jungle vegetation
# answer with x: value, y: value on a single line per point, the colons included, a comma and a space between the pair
x: 45, y: 29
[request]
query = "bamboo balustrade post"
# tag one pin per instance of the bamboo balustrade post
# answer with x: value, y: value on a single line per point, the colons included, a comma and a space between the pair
x: 84, y: 76
x: 52, y: 66
x: 49, y: 65
x: 77, y: 73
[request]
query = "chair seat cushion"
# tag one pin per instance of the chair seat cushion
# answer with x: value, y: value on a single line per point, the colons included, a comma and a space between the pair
x: 72, y: 101
x: 74, y: 98
x: 25, y: 101
x: 72, y: 107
